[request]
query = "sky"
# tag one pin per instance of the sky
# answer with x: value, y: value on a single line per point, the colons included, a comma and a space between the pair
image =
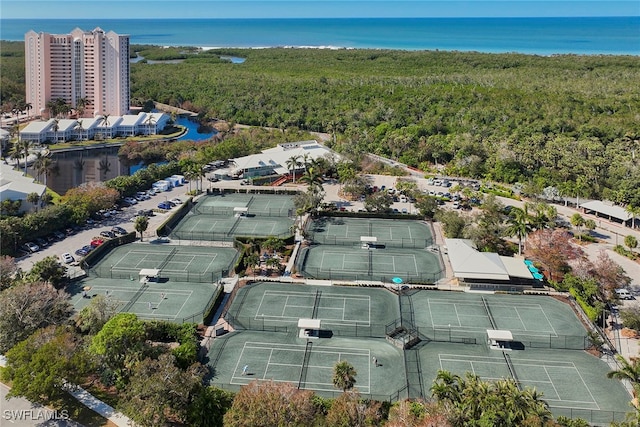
x: 153, y: 9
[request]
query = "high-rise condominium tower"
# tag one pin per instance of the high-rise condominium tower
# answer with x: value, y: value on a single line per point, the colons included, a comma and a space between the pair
x: 89, y: 70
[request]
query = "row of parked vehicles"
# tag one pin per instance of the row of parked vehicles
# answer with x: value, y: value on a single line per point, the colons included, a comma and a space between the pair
x: 97, y: 241
x: 43, y: 242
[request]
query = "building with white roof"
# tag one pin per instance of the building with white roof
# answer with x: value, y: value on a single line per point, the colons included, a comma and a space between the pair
x: 487, y: 270
x: 99, y: 127
x: 5, y: 136
x: 36, y: 131
x: 14, y: 185
x: 273, y: 161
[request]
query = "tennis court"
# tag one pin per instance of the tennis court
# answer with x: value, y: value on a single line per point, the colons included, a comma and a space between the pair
x: 357, y: 263
x: 390, y: 232
x: 257, y: 204
x: 533, y: 320
x: 218, y: 227
x: 570, y: 382
x: 178, y: 263
x: 346, y: 311
x: 307, y: 364
x: 151, y: 300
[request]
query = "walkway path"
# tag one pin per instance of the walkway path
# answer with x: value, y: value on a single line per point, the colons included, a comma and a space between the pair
x: 88, y: 400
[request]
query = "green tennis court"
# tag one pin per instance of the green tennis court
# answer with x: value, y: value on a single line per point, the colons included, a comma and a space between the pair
x: 573, y: 383
x: 347, y: 311
x: 309, y: 365
x: 196, y: 226
x: 257, y: 204
x: 178, y: 263
x: 534, y: 320
x: 357, y: 263
x: 152, y: 300
x: 391, y: 232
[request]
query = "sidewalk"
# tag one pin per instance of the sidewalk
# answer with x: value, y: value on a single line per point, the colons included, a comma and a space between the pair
x: 101, y: 408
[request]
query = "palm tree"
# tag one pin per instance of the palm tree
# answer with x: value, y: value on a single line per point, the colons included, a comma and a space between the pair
x: 80, y: 130
x: 55, y: 127
x: 252, y: 260
x: 28, y: 107
x: 519, y: 225
x: 293, y: 163
x: 634, y: 212
x: 577, y: 221
x: 81, y: 104
x: 312, y: 177
x: 344, y: 375
x: 628, y: 370
x: 150, y: 122
x: 22, y: 148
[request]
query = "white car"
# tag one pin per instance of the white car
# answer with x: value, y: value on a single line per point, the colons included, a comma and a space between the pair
x: 176, y: 201
x: 130, y: 201
x: 67, y: 258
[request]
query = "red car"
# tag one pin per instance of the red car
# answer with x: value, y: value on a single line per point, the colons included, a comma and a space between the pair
x: 96, y: 242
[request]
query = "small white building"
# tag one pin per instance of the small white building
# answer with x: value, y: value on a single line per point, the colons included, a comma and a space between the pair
x: 85, y: 128
x: 36, y: 131
x: 14, y: 185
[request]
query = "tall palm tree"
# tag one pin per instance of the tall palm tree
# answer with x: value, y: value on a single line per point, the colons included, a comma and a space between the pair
x: 293, y: 163
x: 33, y: 198
x: 22, y: 148
x: 629, y: 370
x: 81, y: 105
x: 344, y: 375
x: 519, y: 225
x: 150, y: 123
x: 28, y: 107
x: 312, y: 177
x: 80, y: 129
x: 55, y: 127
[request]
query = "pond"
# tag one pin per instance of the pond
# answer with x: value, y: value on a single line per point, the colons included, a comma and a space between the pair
x: 195, y: 131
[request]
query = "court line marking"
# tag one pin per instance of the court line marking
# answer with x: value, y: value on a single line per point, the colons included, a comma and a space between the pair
x: 540, y: 364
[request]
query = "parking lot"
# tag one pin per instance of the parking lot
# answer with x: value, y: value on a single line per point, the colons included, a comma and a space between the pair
x: 121, y: 218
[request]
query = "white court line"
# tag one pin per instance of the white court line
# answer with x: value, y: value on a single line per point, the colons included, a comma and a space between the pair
x: 183, y: 304
x: 209, y: 269
x: 520, y: 318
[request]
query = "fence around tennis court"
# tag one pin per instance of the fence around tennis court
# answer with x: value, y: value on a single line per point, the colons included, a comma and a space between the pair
x: 220, y: 236
x: 178, y: 276
x: 404, y: 242
x: 592, y: 416
x: 227, y: 211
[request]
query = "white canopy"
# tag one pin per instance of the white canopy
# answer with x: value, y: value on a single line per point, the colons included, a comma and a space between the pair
x: 499, y: 335
x: 149, y: 272
x: 309, y: 323
x: 368, y: 239
x: 241, y: 209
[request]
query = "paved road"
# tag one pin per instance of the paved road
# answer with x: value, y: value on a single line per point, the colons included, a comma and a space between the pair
x: 20, y: 412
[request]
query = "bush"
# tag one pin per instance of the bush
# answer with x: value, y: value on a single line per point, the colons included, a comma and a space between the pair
x: 619, y: 249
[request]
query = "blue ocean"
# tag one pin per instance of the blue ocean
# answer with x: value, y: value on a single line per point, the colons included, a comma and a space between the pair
x: 540, y: 36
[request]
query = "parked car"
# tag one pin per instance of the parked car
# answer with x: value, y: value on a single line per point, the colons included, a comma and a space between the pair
x: 41, y: 242
x: 67, y: 258
x: 164, y: 205
x: 82, y: 252
x: 58, y: 235
x: 213, y: 179
x: 119, y: 230
x: 108, y: 234
x: 31, y: 247
x: 130, y: 201
x: 176, y: 201
x: 96, y: 242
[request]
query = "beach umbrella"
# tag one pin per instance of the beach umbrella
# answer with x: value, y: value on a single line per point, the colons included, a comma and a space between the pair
x: 538, y: 276
x: 397, y: 280
x: 533, y: 269
x: 528, y: 263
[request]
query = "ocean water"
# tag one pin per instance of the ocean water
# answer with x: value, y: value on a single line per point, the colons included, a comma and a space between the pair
x: 541, y: 36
